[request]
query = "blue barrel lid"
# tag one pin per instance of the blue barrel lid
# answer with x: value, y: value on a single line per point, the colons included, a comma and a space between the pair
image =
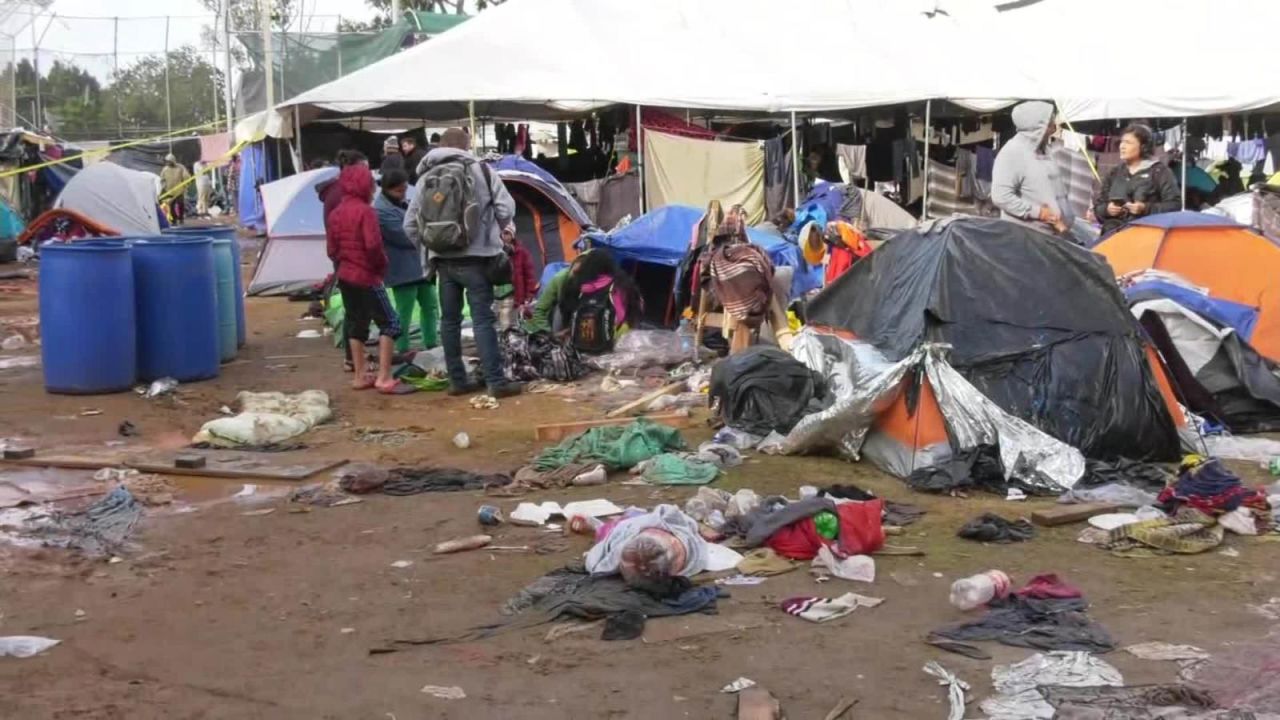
x: 99, y: 245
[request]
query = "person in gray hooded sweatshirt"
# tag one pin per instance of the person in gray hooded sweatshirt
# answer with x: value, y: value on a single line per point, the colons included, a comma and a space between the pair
x: 468, y: 270
x: 1024, y: 182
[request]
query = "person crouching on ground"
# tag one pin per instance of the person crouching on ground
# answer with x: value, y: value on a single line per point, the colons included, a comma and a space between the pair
x: 464, y: 235
x: 355, y: 247
x: 405, y: 274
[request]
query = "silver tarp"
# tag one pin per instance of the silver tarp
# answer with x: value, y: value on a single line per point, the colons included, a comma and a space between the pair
x: 864, y: 384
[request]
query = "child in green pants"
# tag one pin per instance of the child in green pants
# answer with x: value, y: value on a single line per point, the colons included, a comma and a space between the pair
x: 406, y: 276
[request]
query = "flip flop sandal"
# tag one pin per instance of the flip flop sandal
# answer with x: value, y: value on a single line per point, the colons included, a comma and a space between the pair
x: 397, y: 388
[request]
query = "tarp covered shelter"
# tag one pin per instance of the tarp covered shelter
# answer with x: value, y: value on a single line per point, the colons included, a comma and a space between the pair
x: 1217, y: 374
x: 548, y: 219
x: 294, y: 255
x: 663, y: 237
x: 1037, y: 325
x: 699, y: 38
x: 115, y: 197
x: 1228, y: 260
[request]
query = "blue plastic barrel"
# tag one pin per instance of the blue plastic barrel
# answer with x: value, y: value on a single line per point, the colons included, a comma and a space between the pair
x: 177, y: 307
x: 223, y: 266
x: 218, y: 232
x: 87, y: 317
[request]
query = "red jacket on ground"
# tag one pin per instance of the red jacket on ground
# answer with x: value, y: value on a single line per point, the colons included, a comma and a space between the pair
x: 353, y: 239
x: 523, y: 279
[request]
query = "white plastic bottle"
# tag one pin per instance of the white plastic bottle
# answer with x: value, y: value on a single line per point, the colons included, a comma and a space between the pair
x: 968, y: 593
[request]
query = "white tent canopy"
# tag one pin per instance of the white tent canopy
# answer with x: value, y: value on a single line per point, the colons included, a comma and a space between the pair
x: 547, y: 58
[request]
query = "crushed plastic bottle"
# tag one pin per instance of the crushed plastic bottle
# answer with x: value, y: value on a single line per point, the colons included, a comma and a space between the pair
x: 971, y: 592
x: 462, y: 441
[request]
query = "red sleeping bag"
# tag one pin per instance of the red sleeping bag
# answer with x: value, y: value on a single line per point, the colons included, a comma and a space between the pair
x: 860, y: 533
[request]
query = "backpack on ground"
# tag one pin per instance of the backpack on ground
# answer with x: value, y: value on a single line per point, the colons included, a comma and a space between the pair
x: 593, y: 321
x: 448, y: 212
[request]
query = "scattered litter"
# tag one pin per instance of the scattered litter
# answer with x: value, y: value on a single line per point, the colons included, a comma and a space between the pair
x: 392, y: 438
x: 163, y: 386
x: 527, y: 513
x: 246, y: 491
x: 98, y: 530
x: 401, y: 564
x: 1015, y: 494
x: 25, y: 646
x: 13, y: 342
x: 968, y: 593
x: 489, y: 515
x: 841, y: 708
x: 267, y: 418
x: 127, y: 429
x: 484, y: 402
x: 462, y: 441
x: 1166, y: 651
x: 738, y: 685
x: 859, y: 568
x: 91, y: 412
x: 473, y: 542
x: 309, y: 334
x: 1229, y: 552
x: 819, y: 610
x: 1239, y: 521
x: 19, y: 361
x: 259, y: 512
x: 721, y: 558
x: 347, y: 631
x: 326, y: 494
x: 594, y: 476
x: 80, y: 613
x: 226, y: 410
x: 1269, y: 610
x: 1016, y: 685
x: 740, y: 580
x: 1240, y: 676
x: 445, y: 693
x: 990, y: 527
x: 956, y: 688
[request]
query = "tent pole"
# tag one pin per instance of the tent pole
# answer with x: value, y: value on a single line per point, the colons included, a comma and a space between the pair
x: 297, y: 135
x: 1185, y: 160
x: 928, y: 137
x: 168, y: 105
x: 226, y: 69
x: 640, y: 157
x: 471, y: 118
x: 795, y: 162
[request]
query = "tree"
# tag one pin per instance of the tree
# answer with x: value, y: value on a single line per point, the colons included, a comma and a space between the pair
x: 383, y: 10
x: 72, y: 99
x: 246, y: 16
x: 137, y: 92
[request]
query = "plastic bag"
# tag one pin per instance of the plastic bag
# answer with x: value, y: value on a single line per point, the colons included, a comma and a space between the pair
x: 643, y: 348
x: 25, y: 646
x: 1117, y: 493
x: 736, y: 438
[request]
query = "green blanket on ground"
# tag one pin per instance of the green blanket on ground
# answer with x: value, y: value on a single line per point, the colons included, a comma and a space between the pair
x: 679, y: 469
x: 617, y: 448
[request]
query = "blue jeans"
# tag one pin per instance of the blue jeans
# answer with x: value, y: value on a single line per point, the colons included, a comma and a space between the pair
x: 455, y: 277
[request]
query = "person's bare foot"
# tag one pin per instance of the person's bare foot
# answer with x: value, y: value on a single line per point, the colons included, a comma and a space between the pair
x: 363, y: 383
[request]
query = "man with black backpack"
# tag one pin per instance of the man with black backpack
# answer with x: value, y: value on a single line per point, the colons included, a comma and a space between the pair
x: 459, y: 217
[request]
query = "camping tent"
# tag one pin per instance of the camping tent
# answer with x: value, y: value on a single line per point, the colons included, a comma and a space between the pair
x: 114, y: 197
x: 294, y: 255
x: 664, y: 236
x: 548, y: 219
x: 1227, y: 260
x: 1037, y: 325
x: 1218, y: 375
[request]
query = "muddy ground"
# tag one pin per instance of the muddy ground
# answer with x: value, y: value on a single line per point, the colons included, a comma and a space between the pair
x: 218, y: 614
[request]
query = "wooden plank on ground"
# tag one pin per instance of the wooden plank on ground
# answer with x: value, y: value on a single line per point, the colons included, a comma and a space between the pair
x: 645, y: 399
x: 1063, y: 514
x: 559, y: 431
x: 234, y: 464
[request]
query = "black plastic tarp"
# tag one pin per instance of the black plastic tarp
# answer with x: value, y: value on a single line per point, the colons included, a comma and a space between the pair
x: 763, y: 389
x: 149, y: 157
x: 1037, y: 324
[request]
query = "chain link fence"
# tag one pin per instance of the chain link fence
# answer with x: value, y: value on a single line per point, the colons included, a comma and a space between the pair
x: 100, y: 78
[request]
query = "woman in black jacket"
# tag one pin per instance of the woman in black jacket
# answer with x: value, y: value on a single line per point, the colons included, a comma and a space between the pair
x: 1138, y: 186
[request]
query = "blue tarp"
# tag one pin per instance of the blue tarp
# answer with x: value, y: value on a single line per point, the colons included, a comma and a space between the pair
x: 662, y: 237
x: 823, y: 203
x: 1241, y: 318
x: 513, y: 168
x: 255, y: 169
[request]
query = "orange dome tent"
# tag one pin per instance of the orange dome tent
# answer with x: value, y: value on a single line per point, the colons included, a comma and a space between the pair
x: 1231, y: 260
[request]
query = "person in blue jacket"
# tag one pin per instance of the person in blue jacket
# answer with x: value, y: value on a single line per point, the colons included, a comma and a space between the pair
x: 406, y: 276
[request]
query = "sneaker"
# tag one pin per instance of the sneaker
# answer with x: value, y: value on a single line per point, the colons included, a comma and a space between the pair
x: 468, y: 389
x: 506, y: 390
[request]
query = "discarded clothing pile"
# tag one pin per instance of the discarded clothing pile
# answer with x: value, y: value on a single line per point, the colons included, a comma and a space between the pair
x: 572, y: 593
x: 650, y: 548
x: 99, y: 530
x: 617, y: 447
x: 1187, y: 532
x: 412, y: 481
x: 527, y: 479
x: 792, y: 528
x: 820, y: 610
x: 266, y: 419
x: 677, y: 469
x: 978, y: 468
x: 326, y: 494
x: 763, y: 389
x: 1211, y: 488
x: 539, y: 356
x: 717, y: 508
x: 1047, y: 614
x: 990, y: 527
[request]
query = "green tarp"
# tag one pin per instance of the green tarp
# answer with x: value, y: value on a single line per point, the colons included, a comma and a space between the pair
x: 617, y: 448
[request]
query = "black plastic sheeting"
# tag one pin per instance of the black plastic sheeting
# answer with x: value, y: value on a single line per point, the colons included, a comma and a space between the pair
x: 149, y: 157
x: 1036, y: 324
x: 763, y: 389
x: 1238, y: 388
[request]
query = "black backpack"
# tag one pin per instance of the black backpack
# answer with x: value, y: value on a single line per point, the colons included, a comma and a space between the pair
x: 593, y: 321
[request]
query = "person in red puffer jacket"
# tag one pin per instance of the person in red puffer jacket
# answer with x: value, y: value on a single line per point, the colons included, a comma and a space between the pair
x: 354, y: 243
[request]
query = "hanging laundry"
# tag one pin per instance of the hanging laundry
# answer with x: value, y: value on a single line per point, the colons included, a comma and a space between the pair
x: 855, y: 159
